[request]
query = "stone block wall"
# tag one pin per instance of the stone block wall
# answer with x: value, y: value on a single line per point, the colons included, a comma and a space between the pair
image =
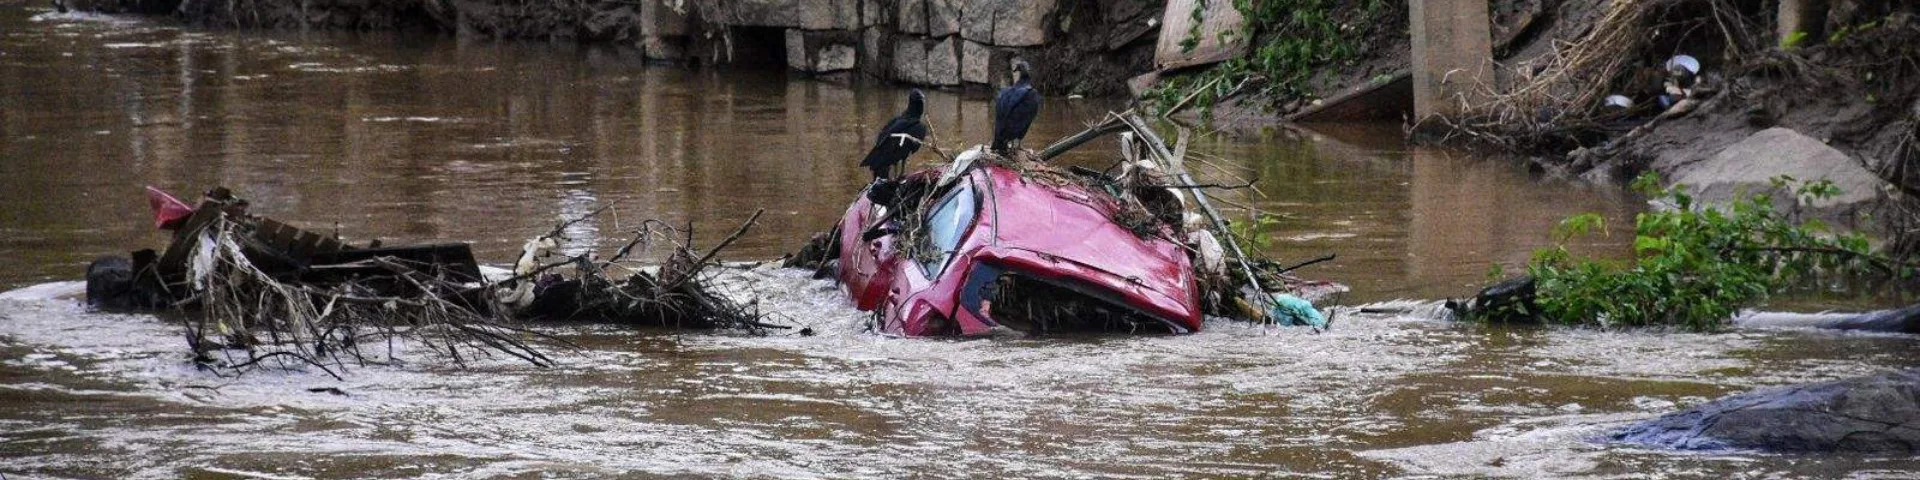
x: 942, y: 43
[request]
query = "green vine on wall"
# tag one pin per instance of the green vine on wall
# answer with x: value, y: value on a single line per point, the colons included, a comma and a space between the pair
x: 1294, y: 39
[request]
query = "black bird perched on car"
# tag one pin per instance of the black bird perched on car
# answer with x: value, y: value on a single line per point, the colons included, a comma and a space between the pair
x: 900, y: 138
x: 1014, y: 109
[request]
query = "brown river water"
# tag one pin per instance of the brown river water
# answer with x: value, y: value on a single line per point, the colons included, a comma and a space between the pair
x: 420, y: 138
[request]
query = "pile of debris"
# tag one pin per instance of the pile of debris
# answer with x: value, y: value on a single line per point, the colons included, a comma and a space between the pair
x: 251, y: 289
x: 1567, y: 99
x: 1077, y: 284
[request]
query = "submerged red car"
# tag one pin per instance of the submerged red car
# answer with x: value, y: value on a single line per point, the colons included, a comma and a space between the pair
x: 990, y: 251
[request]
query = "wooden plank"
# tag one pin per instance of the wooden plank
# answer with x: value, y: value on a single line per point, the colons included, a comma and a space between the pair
x: 1222, y: 34
x: 327, y: 245
x: 276, y: 235
x: 454, y: 261
x: 305, y: 246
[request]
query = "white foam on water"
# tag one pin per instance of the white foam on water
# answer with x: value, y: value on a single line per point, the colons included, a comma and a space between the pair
x: 1233, y: 400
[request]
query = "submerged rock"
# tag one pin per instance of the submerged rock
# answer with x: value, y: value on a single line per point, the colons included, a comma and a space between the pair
x: 1905, y: 320
x: 1872, y: 414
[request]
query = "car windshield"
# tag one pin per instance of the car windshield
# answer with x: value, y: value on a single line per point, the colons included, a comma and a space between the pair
x: 946, y: 223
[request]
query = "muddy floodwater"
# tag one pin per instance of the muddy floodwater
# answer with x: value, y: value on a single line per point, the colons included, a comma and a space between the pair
x: 421, y: 138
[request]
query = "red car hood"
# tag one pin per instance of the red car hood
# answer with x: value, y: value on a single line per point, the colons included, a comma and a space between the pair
x: 1069, y: 223
x: 1062, y: 235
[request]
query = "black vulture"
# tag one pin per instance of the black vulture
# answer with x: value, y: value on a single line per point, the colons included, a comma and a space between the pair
x: 1014, y: 109
x: 900, y: 138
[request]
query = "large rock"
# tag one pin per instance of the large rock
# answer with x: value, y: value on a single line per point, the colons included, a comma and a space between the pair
x: 663, y: 48
x: 1006, y: 23
x: 1751, y: 164
x: 910, y: 60
x: 1873, y: 414
x: 913, y: 16
x: 828, y: 14
x: 974, y: 59
x: 985, y: 64
x: 943, y: 63
x: 1022, y: 23
x: 806, y: 14
x: 663, y: 29
x: 876, y: 52
x: 151, y: 7
x: 873, y: 13
x: 943, y: 17
x: 797, y: 50
x: 1903, y: 320
x: 976, y: 20
x: 1211, y: 44
x: 834, y: 58
x: 659, y: 18
x: 820, y: 51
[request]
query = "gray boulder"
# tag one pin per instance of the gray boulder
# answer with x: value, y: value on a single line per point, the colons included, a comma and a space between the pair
x: 973, y: 62
x: 821, y: 51
x: 149, y: 7
x: 943, y: 17
x: 1005, y: 23
x: 976, y: 20
x: 913, y: 16
x: 910, y: 60
x: 943, y: 63
x: 876, y: 56
x: 807, y: 14
x: 1750, y: 165
x: 1903, y: 320
x: 1022, y: 23
x: 1877, y: 414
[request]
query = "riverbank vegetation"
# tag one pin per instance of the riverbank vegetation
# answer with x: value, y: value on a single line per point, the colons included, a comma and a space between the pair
x: 1696, y: 267
x: 1294, y: 45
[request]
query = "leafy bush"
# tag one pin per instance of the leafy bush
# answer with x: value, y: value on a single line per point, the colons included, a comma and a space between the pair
x: 1693, y: 267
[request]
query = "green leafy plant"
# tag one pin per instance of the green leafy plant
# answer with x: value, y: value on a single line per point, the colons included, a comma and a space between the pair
x: 1793, y: 40
x: 1695, y: 268
x: 1294, y: 40
x: 1252, y: 235
x: 1199, y: 16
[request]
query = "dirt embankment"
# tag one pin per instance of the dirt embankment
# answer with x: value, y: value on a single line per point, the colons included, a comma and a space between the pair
x: 1835, y: 96
x: 1370, y: 50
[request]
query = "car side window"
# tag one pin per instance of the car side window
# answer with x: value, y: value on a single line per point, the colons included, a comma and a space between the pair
x: 947, y: 222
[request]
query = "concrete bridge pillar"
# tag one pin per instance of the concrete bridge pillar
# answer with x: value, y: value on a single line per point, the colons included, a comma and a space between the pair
x: 1452, y: 55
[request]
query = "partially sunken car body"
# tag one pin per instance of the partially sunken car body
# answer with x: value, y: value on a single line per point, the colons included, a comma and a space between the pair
x: 984, y: 249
